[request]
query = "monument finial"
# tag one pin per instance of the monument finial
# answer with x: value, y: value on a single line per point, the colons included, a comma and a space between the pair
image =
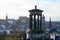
x: 35, y: 7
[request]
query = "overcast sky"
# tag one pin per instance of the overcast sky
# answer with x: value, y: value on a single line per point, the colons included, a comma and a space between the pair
x: 16, y: 8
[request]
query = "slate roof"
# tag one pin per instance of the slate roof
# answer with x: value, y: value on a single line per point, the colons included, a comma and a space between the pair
x: 53, y: 31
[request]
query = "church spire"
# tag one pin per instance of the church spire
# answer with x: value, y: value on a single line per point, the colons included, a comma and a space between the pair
x: 50, y: 24
x: 6, y: 17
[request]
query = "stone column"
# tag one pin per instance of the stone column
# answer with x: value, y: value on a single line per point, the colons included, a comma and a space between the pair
x: 30, y: 22
x: 38, y: 22
x: 41, y: 22
x: 35, y: 22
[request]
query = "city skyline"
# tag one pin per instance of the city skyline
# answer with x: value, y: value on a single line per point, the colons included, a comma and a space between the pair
x: 16, y: 8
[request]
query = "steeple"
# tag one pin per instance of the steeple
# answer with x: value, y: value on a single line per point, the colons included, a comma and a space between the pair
x: 6, y: 18
x: 50, y: 24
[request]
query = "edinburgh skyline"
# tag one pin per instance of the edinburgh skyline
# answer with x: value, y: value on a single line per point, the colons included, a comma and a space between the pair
x: 16, y: 8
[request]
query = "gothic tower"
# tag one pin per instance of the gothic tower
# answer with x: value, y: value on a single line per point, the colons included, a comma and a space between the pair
x: 50, y: 24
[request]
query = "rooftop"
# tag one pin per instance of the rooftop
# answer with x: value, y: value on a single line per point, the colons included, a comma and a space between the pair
x: 37, y: 10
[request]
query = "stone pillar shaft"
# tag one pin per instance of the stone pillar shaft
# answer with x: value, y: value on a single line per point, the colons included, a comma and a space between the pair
x: 38, y: 22
x: 30, y: 22
x: 34, y: 21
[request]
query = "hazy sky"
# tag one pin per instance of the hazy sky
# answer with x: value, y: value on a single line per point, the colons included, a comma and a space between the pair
x: 16, y: 8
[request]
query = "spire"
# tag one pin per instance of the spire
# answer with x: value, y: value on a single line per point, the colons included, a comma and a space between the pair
x: 50, y: 19
x: 35, y: 7
x: 50, y: 24
x: 6, y: 17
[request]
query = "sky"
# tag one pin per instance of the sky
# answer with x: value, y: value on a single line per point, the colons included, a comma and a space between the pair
x: 16, y: 8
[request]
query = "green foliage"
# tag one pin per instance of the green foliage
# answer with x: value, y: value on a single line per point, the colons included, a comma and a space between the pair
x: 2, y: 38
